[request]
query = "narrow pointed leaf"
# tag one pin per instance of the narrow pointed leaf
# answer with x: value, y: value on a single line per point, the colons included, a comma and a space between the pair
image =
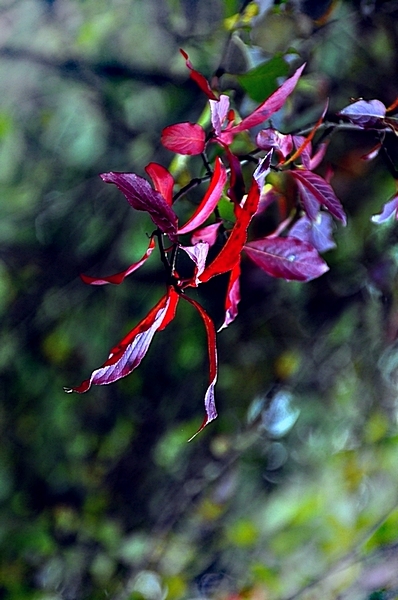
x: 206, y: 234
x: 229, y: 255
x: 287, y: 258
x: 163, y: 181
x: 184, y: 138
x: 271, y: 105
x: 316, y: 188
x: 232, y: 297
x: 210, y: 200
x: 141, y: 196
x: 199, y: 79
x: 210, y: 405
x: 128, y: 354
x: 119, y: 277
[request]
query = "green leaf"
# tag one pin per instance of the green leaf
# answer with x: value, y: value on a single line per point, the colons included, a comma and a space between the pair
x: 260, y: 82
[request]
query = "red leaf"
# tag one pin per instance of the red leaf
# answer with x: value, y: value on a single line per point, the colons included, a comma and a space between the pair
x: 210, y: 405
x: 184, y: 138
x: 128, y: 354
x: 313, y: 187
x: 199, y: 78
x: 119, y: 277
x: 206, y: 234
x: 210, y: 199
x: 287, y: 258
x: 232, y: 297
x: 163, y: 181
x: 141, y: 196
x: 229, y: 255
x: 270, y: 106
x: 390, y: 208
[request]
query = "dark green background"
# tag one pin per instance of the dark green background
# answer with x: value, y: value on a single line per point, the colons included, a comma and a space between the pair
x: 100, y: 495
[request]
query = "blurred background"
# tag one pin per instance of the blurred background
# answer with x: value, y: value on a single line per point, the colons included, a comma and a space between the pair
x: 293, y: 491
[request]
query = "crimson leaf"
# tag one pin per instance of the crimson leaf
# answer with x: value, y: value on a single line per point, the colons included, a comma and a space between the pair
x: 210, y: 199
x: 230, y: 252
x: 184, y: 138
x: 128, y: 354
x: 210, y: 405
x: 287, y: 258
x: 206, y: 234
x: 313, y: 187
x: 232, y: 297
x: 141, y: 196
x: 271, y: 105
x: 163, y: 181
x: 199, y: 78
x: 119, y: 277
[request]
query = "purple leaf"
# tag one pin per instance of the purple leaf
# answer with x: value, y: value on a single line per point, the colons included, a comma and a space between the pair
x: 271, y: 138
x: 262, y: 170
x: 219, y: 110
x: 364, y: 113
x: 390, y: 208
x: 128, y: 354
x: 271, y: 105
x: 314, y: 188
x: 119, y: 277
x: 317, y: 232
x: 287, y: 258
x: 184, y: 138
x: 210, y: 199
x: 141, y: 196
x: 198, y: 254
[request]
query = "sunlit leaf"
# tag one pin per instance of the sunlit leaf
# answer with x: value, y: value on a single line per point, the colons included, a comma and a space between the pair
x: 232, y: 297
x: 210, y: 200
x: 390, y: 208
x: 184, y: 138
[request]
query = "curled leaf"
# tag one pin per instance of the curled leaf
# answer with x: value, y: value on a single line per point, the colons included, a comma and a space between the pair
x: 210, y: 200
x: 210, y: 405
x: 198, y: 78
x: 119, y: 277
x: 390, y: 208
x: 128, y: 354
x: 232, y: 297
